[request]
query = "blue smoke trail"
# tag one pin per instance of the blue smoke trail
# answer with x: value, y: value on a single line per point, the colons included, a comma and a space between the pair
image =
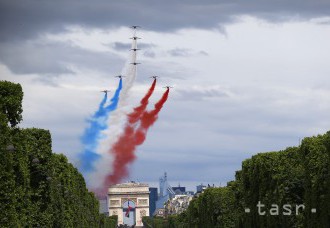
x: 115, y: 99
x: 97, y: 123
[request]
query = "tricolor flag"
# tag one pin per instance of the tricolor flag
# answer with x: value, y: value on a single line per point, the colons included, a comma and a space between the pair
x: 128, y: 210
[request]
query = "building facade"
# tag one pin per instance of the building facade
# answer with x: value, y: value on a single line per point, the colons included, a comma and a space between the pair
x: 153, y: 197
x: 177, y: 204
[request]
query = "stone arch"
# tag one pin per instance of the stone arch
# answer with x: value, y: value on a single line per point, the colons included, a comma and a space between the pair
x: 135, y: 193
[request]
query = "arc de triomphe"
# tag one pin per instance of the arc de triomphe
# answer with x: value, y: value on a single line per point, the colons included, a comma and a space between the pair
x: 120, y: 194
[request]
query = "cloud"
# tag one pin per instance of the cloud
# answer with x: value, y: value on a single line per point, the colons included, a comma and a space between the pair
x: 322, y: 21
x: 185, y: 52
x: 149, y: 54
x: 22, y: 20
x: 146, y: 45
x: 180, y: 52
x: 203, y: 53
x: 192, y: 165
x: 30, y: 57
x: 207, y: 140
x: 119, y: 46
x: 49, y: 58
x: 202, y: 92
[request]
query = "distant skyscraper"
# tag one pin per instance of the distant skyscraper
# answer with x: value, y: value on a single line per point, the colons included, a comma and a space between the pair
x: 153, y: 197
x: 166, y: 192
x: 179, y: 190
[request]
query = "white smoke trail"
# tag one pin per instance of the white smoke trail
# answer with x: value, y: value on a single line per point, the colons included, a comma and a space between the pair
x: 116, y: 121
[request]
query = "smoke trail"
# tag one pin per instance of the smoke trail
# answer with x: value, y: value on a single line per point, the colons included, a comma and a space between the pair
x: 115, y: 99
x: 134, y: 116
x: 96, y: 124
x: 116, y: 123
x: 89, y: 137
x: 124, y: 148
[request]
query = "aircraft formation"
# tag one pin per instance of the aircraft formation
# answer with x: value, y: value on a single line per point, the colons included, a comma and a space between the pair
x: 135, y: 27
x: 114, y: 133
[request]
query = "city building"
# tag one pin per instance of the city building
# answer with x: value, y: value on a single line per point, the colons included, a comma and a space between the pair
x: 171, y: 200
x: 165, y: 192
x: 177, y: 204
x: 179, y: 190
x: 191, y: 193
x: 153, y: 197
x: 200, y: 188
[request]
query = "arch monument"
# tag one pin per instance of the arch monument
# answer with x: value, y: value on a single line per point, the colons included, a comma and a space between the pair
x: 130, y: 202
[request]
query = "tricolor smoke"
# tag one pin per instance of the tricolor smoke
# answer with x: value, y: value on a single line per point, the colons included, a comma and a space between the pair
x: 115, y: 125
x: 115, y: 139
x: 97, y: 123
x: 123, y: 150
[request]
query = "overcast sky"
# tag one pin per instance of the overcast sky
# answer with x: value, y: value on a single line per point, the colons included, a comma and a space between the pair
x: 248, y: 76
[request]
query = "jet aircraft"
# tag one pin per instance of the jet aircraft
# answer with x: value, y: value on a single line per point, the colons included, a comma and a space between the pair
x: 119, y: 76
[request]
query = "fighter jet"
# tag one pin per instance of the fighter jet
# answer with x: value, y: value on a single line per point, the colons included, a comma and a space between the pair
x: 135, y: 49
x: 168, y: 87
x: 119, y: 76
x: 105, y: 91
x: 135, y: 38
x: 135, y: 26
x: 154, y: 77
x: 135, y: 63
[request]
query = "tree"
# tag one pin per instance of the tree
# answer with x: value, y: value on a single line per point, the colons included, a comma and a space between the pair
x: 37, y: 187
x: 11, y: 96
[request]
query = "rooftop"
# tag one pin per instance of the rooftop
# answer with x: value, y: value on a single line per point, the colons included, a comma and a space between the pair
x: 129, y: 185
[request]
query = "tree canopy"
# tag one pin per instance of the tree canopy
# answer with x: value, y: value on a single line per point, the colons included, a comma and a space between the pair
x: 39, y: 188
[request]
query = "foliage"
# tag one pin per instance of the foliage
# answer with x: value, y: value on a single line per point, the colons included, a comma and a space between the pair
x: 108, y: 221
x: 11, y: 96
x: 214, y: 208
x: 155, y: 222
x: 315, y: 157
x: 37, y: 187
x: 295, y: 176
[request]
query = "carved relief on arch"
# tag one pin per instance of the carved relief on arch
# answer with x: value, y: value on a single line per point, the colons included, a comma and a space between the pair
x: 115, y: 212
x: 143, y: 213
x: 143, y: 202
x: 123, y: 200
x: 114, y: 202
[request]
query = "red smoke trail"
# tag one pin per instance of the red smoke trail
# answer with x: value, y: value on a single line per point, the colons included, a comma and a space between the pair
x: 125, y: 147
x: 138, y: 111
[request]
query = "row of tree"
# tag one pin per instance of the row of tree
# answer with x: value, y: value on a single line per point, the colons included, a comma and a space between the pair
x: 289, y: 188
x: 37, y: 187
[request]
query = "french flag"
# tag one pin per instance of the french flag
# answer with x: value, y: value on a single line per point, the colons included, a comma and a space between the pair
x: 128, y: 210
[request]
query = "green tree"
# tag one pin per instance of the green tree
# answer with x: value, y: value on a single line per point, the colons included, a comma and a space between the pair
x: 37, y: 187
x: 11, y: 96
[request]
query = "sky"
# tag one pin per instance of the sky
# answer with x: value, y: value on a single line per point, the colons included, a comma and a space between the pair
x: 248, y: 76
